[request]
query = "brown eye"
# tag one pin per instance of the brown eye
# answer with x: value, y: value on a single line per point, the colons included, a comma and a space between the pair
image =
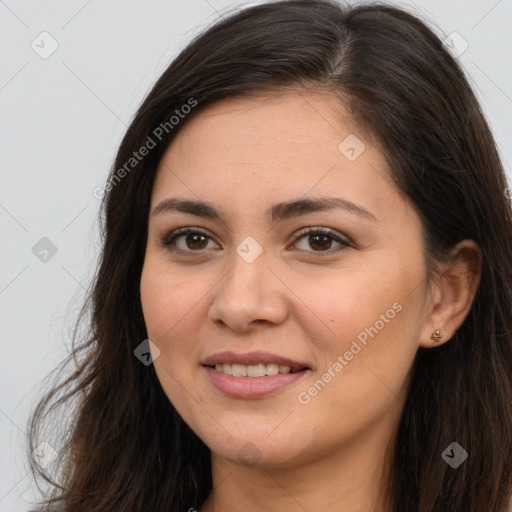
x: 321, y: 239
x: 195, y: 240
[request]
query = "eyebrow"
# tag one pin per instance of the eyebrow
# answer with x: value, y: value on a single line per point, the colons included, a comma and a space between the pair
x: 276, y: 213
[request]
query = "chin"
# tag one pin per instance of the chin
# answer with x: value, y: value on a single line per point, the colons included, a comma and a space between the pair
x: 255, y: 447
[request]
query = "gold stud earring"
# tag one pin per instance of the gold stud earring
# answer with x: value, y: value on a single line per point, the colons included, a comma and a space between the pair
x: 437, y: 335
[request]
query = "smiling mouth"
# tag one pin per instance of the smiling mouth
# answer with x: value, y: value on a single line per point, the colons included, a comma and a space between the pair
x: 255, y: 370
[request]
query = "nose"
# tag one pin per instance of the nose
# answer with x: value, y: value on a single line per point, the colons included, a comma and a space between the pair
x: 249, y: 294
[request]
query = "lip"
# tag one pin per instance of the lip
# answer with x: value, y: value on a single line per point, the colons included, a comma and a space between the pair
x: 252, y: 358
x: 252, y: 387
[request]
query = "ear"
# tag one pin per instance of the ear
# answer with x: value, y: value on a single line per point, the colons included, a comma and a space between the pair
x: 452, y: 293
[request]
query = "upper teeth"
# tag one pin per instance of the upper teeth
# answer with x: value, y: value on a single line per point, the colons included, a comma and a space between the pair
x: 252, y: 370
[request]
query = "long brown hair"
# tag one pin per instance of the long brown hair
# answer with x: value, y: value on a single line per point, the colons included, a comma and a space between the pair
x: 124, y: 447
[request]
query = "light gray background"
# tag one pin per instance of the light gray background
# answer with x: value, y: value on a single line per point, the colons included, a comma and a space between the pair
x: 61, y: 121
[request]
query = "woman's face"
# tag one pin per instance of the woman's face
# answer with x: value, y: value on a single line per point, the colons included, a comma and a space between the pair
x: 260, y: 290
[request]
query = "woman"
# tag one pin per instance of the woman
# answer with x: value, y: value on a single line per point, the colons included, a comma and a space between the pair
x: 304, y: 299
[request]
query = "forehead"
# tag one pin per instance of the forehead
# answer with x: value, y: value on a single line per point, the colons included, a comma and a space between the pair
x: 253, y: 151
x: 271, y: 121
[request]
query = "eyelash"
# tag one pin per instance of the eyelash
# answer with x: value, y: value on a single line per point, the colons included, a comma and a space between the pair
x: 168, y: 241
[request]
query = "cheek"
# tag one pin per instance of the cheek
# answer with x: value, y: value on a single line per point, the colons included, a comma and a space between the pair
x: 367, y: 317
x: 168, y: 305
x: 346, y: 304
